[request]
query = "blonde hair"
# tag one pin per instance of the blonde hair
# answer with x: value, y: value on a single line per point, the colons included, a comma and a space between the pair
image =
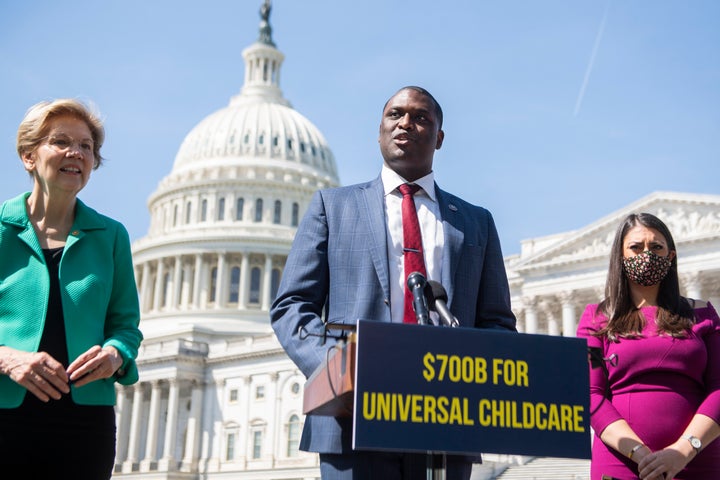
x: 34, y: 126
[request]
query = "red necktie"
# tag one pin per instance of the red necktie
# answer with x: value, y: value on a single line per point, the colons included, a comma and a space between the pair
x: 412, y: 245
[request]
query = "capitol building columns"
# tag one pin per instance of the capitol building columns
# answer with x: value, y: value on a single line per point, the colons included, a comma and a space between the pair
x: 168, y: 460
x: 267, y: 276
x: 218, y: 280
x: 176, y: 285
x: 221, y: 287
x: 692, y: 284
x: 193, y: 429
x: 197, y: 277
x: 133, y: 449
x: 151, y: 444
x: 244, y: 281
x: 551, y: 314
x: 569, y: 313
x: 529, y: 307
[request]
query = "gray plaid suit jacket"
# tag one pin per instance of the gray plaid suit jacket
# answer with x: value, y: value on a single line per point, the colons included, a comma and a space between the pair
x: 338, y: 263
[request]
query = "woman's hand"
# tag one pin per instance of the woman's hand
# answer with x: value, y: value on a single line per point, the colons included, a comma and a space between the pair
x: 38, y: 372
x: 668, y: 461
x: 94, y: 364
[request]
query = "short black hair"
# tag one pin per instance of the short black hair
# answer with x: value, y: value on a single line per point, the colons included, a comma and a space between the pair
x: 422, y: 91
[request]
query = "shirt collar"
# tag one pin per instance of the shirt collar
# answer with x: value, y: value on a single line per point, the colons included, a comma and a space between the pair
x: 391, y: 180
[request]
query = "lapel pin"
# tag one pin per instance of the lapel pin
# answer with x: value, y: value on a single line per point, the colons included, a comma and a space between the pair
x: 452, y: 207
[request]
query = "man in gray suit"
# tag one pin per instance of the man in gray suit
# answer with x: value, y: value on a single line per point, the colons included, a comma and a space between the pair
x: 347, y: 262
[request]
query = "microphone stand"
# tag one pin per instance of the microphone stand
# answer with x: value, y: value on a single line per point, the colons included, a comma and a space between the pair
x: 436, y: 300
x: 436, y: 466
x: 424, y: 297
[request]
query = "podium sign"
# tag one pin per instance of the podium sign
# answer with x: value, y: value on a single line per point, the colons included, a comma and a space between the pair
x: 468, y: 391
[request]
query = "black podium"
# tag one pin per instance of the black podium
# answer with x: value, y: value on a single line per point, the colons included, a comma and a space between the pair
x: 427, y: 389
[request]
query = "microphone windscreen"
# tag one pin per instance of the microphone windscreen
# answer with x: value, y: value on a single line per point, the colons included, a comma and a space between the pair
x: 435, y: 291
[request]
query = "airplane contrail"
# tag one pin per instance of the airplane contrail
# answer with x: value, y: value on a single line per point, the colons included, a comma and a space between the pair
x: 596, y: 47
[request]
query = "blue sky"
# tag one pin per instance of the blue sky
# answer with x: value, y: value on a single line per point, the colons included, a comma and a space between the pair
x: 557, y: 112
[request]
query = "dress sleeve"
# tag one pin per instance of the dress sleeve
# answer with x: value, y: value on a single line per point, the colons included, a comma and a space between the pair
x: 709, y: 322
x: 601, y: 410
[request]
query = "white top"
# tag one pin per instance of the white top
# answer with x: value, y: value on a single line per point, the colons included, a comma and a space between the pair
x: 431, y: 229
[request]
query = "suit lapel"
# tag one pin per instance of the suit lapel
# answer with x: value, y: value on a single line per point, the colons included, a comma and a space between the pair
x: 453, y: 226
x: 370, y: 196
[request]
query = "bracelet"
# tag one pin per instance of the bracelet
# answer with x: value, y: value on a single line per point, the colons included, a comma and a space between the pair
x: 635, y: 449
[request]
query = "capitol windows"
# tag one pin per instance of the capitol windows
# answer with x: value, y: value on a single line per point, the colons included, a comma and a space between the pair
x: 274, y: 282
x: 293, y: 436
x: 221, y: 209
x: 233, y: 395
x: 295, y: 214
x: 230, y: 446
x: 203, y: 210
x: 239, y: 205
x: 255, y: 274
x: 175, y: 216
x: 257, y: 439
x: 258, y: 210
x: 277, y: 213
x: 213, y: 284
x: 232, y: 433
x: 234, y: 295
x: 188, y: 210
x: 259, y: 392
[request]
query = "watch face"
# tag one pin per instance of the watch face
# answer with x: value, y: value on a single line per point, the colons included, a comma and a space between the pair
x: 695, y: 442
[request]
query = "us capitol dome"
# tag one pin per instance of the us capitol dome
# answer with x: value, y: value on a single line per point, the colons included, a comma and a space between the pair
x: 223, y: 220
x: 218, y: 396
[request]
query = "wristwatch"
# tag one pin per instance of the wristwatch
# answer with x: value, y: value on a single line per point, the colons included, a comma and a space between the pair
x: 694, y: 441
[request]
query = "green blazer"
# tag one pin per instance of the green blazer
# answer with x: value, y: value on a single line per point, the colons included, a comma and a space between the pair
x: 99, y: 296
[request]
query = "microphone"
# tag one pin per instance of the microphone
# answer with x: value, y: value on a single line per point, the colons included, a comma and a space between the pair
x: 437, y: 300
x: 416, y: 283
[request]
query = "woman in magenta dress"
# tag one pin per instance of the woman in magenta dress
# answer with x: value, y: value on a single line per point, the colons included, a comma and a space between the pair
x: 655, y: 383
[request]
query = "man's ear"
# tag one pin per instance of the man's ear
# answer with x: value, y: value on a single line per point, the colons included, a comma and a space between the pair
x: 440, y: 138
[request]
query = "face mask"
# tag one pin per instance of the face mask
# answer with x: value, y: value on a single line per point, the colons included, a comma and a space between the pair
x: 647, y: 269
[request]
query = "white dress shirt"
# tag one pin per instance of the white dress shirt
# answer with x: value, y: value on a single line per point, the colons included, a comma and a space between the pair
x: 431, y: 229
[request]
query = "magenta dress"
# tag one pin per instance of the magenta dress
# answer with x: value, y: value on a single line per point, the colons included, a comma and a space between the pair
x: 657, y: 385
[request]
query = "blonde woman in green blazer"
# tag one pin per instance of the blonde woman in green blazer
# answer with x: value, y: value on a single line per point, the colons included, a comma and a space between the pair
x: 69, y: 310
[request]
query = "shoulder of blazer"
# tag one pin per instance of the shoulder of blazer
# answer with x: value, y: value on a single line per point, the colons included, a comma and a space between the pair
x: 338, y: 198
x: 347, y: 190
x: 13, y: 211
x: 87, y: 218
x: 453, y: 203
